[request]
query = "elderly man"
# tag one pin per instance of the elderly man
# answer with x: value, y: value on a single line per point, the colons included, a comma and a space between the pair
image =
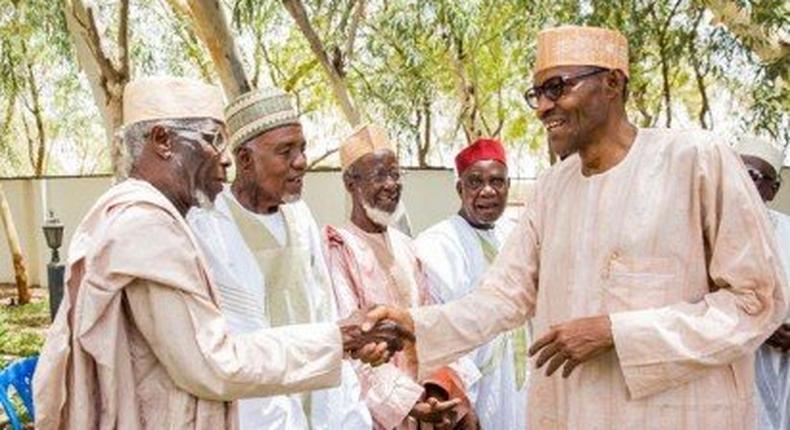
x: 456, y: 253
x: 372, y: 263
x: 645, y: 260
x: 267, y: 257
x: 139, y: 341
x: 764, y: 163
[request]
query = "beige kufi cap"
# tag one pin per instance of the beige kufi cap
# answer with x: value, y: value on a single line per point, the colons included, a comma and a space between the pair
x: 257, y: 112
x: 572, y: 45
x: 168, y: 97
x: 364, y: 140
x: 763, y: 149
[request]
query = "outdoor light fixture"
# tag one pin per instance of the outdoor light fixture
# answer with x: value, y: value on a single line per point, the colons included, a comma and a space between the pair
x: 53, y: 233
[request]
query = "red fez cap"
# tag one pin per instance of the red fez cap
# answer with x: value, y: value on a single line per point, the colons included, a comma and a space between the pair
x: 481, y: 149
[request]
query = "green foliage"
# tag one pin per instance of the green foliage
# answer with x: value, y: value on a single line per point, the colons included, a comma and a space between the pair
x: 412, y: 66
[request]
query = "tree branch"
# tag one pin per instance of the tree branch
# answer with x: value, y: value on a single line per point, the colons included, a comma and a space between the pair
x: 93, y: 41
x: 352, y: 31
x: 339, y: 86
x: 123, y: 40
x: 321, y: 158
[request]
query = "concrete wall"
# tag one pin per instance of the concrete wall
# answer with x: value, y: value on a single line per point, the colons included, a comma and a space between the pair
x: 429, y: 196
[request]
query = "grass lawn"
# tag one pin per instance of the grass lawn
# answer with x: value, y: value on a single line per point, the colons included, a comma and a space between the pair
x: 22, y: 330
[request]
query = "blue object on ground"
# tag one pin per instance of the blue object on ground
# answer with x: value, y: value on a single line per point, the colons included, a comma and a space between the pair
x: 18, y: 374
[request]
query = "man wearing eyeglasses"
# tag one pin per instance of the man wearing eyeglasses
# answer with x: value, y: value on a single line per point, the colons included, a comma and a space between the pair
x: 371, y: 263
x: 764, y: 163
x: 139, y: 341
x: 456, y: 252
x: 645, y: 260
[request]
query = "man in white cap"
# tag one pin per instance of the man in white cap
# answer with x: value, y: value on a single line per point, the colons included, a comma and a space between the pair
x: 457, y: 251
x: 139, y: 341
x: 372, y: 263
x: 267, y: 256
x: 764, y: 163
x: 644, y: 259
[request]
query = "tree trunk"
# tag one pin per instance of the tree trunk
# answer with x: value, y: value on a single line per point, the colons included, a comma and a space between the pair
x: 422, y: 150
x: 107, y: 78
x: 38, y: 154
x: 212, y: 28
x: 20, y: 270
x: 336, y: 80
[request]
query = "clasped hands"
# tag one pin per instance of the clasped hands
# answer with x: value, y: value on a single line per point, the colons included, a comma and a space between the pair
x: 374, y: 336
x: 383, y: 331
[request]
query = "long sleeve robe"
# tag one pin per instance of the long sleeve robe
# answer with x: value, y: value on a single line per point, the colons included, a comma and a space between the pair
x: 139, y: 341
x: 674, y: 245
x: 368, y: 269
x: 456, y: 256
x: 244, y: 287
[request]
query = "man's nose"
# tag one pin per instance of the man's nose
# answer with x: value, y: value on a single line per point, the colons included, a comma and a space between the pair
x: 300, y: 161
x: 545, y: 105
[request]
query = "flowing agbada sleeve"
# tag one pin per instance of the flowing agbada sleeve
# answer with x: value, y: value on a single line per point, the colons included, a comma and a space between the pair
x: 504, y: 300
x: 189, y: 336
x: 389, y: 392
x: 664, y: 347
x: 171, y: 305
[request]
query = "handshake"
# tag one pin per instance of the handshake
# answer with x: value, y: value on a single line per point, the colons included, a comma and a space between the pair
x: 375, y: 335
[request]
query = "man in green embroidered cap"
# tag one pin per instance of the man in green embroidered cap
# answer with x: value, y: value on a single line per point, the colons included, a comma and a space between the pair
x: 270, y: 266
x: 139, y: 341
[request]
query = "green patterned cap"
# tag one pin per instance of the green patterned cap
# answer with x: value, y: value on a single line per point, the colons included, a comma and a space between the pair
x: 257, y: 112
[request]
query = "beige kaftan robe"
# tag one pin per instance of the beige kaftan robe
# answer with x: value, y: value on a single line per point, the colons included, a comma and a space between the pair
x: 673, y: 243
x: 139, y: 342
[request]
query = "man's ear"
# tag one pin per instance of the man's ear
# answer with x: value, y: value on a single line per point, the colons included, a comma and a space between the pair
x: 458, y: 188
x: 160, y: 141
x: 614, y: 81
x: 244, y: 159
x: 348, y: 182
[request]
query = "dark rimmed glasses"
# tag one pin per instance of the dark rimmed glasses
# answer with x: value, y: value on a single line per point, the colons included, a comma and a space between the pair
x: 555, y: 87
x: 215, y: 138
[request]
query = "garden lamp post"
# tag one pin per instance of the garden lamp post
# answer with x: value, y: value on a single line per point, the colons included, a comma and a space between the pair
x: 53, y: 232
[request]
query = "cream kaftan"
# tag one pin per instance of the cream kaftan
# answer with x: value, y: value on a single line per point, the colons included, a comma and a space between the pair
x: 672, y: 243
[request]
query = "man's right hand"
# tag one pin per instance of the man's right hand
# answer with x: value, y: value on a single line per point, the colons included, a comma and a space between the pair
x: 377, y: 342
x: 380, y: 313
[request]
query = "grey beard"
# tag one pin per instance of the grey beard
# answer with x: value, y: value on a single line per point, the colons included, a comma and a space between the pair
x: 383, y: 218
x: 291, y: 198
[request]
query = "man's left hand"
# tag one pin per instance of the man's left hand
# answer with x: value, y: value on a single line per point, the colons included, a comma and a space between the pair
x: 573, y: 343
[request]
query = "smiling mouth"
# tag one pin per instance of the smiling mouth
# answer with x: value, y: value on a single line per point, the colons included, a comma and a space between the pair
x: 486, y: 208
x: 554, y: 124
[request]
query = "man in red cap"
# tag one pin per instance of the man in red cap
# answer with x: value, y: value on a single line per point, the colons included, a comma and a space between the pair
x: 456, y: 253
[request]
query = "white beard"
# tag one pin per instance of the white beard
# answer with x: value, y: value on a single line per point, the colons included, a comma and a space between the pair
x: 291, y: 198
x: 384, y: 218
x: 203, y: 201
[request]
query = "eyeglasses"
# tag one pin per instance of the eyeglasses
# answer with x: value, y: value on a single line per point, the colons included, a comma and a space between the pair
x: 381, y: 176
x: 555, y: 87
x: 475, y: 183
x: 215, y: 138
x: 758, y: 176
